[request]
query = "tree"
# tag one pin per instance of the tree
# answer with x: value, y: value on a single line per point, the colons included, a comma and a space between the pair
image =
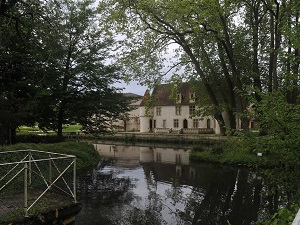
x: 55, y: 67
x: 78, y: 81
x: 17, y: 69
x: 227, y: 45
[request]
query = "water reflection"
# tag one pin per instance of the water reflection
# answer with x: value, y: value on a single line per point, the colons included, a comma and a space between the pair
x: 155, y: 185
x: 141, y: 154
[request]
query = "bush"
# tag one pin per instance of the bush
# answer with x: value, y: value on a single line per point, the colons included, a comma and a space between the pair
x: 34, y: 138
x: 217, y: 150
x: 282, y: 217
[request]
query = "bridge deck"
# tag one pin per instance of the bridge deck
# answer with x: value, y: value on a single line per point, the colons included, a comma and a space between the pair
x: 12, y: 205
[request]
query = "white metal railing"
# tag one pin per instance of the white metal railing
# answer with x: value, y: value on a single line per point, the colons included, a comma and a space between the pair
x: 296, y: 220
x: 47, y: 167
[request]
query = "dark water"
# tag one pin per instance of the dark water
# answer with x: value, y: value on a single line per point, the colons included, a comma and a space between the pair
x: 155, y: 185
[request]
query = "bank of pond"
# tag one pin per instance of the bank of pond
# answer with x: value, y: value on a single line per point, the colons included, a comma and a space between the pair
x: 121, y: 183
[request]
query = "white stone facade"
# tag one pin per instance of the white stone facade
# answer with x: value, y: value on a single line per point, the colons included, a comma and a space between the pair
x: 169, y: 121
x: 160, y: 113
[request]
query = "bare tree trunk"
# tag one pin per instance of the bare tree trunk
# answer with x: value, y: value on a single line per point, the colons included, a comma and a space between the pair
x: 208, y: 88
x: 60, y: 123
x: 255, y: 43
x: 241, y: 101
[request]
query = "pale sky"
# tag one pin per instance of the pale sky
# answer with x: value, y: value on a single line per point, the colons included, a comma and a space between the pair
x: 132, y: 87
x: 135, y: 88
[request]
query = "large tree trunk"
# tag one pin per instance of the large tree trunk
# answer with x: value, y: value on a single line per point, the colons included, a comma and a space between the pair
x: 60, y: 123
x: 275, y: 43
x: 255, y: 43
x: 240, y: 101
x: 271, y: 59
x: 230, y: 97
x: 218, y: 116
x: 295, y: 69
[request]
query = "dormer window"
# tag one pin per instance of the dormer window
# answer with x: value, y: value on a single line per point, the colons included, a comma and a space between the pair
x: 192, y: 97
x: 179, y: 98
x: 158, y: 111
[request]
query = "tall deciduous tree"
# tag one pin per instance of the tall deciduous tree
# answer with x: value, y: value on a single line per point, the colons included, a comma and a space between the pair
x: 17, y: 67
x: 230, y: 46
x: 55, y: 67
x: 78, y: 80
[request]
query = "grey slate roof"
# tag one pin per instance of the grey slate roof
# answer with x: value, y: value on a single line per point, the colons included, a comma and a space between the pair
x: 162, y: 95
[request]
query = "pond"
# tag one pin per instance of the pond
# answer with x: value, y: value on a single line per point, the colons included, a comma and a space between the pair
x: 158, y: 185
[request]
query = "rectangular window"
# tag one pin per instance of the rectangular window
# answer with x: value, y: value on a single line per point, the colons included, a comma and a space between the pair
x: 208, y: 123
x: 178, y: 158
x: 178, y: 110
x: 158, y: 157
x: 192, y: 97
x: 176, y: 124
x: 164, y: 124
x: 192, y: 109
x: 154, y: 123
x: 158, y: 111
x: 178, y: 98
x: 195, y: 123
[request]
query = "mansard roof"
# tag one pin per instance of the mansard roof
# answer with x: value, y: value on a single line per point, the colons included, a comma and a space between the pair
x: 162, y: 95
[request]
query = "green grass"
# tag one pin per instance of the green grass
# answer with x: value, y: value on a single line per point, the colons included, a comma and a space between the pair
x: 85, y: 153
x: 66, y: 128
x: 24, y: 129
x: 71, y: 128
x: 233, y: 152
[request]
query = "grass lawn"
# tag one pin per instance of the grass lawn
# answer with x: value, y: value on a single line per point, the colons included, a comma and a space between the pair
x: 71, y: 128
x: 66, y: 128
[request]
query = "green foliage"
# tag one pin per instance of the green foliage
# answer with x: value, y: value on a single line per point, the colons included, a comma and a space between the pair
x: 260, y: 51
x: 34, y: 138
x: 233, y: 151
x: 279, y: 122
x: 278, y: 141
x: 80, y: 86
x: 54, y: 67
x: 283, y: 216
x: 130, y: 138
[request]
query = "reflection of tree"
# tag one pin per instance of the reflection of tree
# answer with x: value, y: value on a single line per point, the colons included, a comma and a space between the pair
x: 221, y: 200
x: 237, y: 196
x: 149, y: 216
x: 175, y: 194
x: 151, y: 213
x: 104, y: 183
x: 103, y: 190
x: 213, y: 195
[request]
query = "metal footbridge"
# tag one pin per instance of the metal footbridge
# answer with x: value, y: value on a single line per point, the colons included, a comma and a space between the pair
x: 34, y: 183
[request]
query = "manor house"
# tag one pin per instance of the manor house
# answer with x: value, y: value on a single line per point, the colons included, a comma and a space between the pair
x: 173, y: 110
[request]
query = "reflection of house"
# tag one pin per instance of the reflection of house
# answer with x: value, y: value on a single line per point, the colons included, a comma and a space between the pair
x: 164, y: 155
x: 145, y: 154
x: 130, y: 121
x: 162, y: 113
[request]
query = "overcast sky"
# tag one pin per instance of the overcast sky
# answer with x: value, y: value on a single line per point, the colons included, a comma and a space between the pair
x: 133, y: 87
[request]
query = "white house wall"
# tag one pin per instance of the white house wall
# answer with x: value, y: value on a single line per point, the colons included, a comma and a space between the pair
x: 168, y: 113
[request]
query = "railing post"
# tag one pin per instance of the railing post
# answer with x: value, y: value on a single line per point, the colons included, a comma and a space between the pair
x: 26, y: 189
x: 50, y: 171
x: 30, y: 158
x: 74, y: 180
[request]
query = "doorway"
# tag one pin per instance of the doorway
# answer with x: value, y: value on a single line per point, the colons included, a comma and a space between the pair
x: 185, y: 123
